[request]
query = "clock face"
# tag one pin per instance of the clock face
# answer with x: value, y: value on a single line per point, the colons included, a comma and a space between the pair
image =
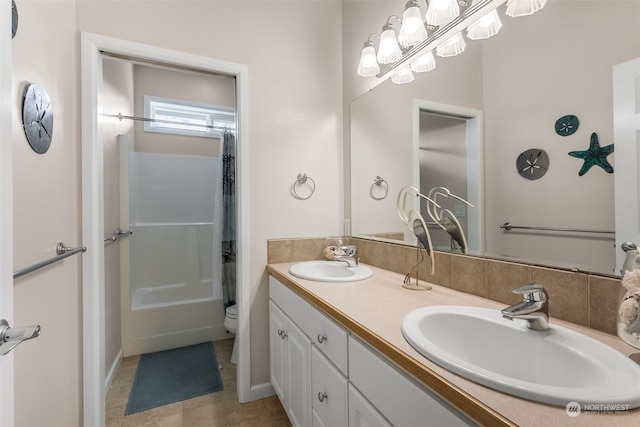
x: 37, y: 118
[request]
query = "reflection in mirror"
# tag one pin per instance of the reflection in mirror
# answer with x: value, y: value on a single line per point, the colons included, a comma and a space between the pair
x: 538, y: 69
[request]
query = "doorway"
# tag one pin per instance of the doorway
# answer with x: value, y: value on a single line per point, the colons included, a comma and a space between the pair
x: 92, y: 48
x: 448, y: 154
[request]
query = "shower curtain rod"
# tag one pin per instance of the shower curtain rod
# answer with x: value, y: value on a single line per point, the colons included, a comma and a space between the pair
x: 121, y: 116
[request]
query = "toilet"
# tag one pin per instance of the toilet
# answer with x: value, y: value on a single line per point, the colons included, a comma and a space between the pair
x: 231, y: 326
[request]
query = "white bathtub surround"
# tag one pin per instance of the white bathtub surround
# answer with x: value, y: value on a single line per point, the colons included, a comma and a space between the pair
x: 171, y: 295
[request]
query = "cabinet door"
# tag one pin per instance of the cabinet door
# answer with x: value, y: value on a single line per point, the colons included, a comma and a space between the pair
x: 362, y: 413
x: 277, y: 362
x: 329, y: 392
x: 400, y: 399
x: 298, y: 376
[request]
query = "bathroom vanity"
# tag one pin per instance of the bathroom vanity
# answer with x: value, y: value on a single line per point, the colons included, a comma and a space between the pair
x: 338, y: 357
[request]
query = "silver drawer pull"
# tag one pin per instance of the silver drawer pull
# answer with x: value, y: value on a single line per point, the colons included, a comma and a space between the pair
x: 322, y: 396
x: 321, y: 339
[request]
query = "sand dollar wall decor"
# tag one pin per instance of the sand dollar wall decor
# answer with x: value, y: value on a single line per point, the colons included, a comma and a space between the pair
x: 532, y: 164
x: 567, y: 125
x: 37, y: 118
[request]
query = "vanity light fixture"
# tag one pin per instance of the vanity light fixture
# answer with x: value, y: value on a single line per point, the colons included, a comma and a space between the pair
x: 485, y: 27
x: 440, y: 12
x: 403, y: 76
x: 452, y: 47
x: 516, y: 8
x: 478, y: 17
x: 424, y: 63
x: 412, y: 30
x: 368, y: 65
x: 388, y: 50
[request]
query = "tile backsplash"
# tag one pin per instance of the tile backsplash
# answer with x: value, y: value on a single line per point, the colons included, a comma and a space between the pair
x: 585, y: 299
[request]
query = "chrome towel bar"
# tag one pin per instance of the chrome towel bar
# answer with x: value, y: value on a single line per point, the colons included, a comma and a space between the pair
x: 508, y: 227
x: 118, y: 234
x: 62, y: 251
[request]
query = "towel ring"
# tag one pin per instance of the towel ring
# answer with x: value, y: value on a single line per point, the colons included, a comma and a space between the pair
x: 300, y: 180
x: 379, y: 182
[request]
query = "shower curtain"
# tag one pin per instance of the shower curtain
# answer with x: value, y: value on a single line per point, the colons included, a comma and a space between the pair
x: 229, y: 218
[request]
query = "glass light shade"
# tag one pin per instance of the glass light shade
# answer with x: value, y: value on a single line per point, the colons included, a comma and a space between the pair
x: 423, y: 64
x: 403, y: 76
x: 441, y: 12
x: 388, y: 50
x: 412, y: 30
x: 452, y: 47
x: 485, y: 27
x: 516, y: 8
x: 368, y: 66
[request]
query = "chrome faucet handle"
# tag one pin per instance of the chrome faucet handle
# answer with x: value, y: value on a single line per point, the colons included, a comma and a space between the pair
x: 534, y: 307
x: 532, y: 291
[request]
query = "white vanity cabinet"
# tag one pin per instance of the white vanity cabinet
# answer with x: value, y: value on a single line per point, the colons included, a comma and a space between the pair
x: 290, y: 352
x: 325, y: 377
x: 362, y: 413
x: 329, y: 392
x: 400, y: 399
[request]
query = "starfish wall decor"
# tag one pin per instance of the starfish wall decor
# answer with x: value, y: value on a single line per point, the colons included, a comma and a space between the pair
x: 595, y: 155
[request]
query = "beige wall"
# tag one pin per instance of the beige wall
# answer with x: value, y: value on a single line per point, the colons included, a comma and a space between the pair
x: 47, y: 210
x: 295, y: 125
x: 526, y: 84
x: 181, y: 85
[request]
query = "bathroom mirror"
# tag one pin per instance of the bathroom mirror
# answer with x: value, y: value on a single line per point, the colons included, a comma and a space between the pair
x: 538, y: 69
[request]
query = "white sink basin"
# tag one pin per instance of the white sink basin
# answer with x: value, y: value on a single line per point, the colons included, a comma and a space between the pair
x: 330, y: 271
x: 557, y: 366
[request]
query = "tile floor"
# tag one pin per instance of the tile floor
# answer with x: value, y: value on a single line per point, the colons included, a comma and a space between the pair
x: 212, y: 410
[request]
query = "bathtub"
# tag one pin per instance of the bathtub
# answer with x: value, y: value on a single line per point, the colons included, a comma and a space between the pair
x: 171, y: 301
x: 161, y: 325
x: 167, y: 295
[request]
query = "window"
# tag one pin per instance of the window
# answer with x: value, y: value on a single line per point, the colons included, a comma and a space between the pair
x: 179, y: 117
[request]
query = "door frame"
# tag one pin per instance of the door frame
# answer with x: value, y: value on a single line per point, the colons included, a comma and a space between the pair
x: 475, y: 162
x: 6, y: 212
x: 626, y: 122
x: 93, y: 209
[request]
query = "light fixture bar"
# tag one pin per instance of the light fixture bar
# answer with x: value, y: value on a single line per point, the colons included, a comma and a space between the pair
x: 474, y: 12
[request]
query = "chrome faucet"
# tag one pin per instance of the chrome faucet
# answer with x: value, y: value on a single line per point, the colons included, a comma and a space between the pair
x: 346, y: 254
x: 534, y: 307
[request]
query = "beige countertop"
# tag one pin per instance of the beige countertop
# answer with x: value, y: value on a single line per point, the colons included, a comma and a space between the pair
x: 373, y: 309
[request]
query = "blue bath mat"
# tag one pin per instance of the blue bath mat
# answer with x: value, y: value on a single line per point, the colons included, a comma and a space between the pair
x: 173, y: 375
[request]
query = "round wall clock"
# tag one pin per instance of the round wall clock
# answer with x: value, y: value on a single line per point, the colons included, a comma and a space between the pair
x: 532, y: 164
x: 14, y: 19
x: 37, y: 118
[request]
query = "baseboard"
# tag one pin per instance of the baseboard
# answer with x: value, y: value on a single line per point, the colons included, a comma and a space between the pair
x: 261, y: 391
x: 112, y: 372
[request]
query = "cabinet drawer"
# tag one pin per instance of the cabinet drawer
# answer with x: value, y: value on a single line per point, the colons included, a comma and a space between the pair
x: 362, y: 413
x: 296, y: 308
x: 399, y: 399
x: 328, y: 392
x: 330, y: 338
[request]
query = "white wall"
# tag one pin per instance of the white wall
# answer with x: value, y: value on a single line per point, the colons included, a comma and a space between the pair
x: 295, y: 119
